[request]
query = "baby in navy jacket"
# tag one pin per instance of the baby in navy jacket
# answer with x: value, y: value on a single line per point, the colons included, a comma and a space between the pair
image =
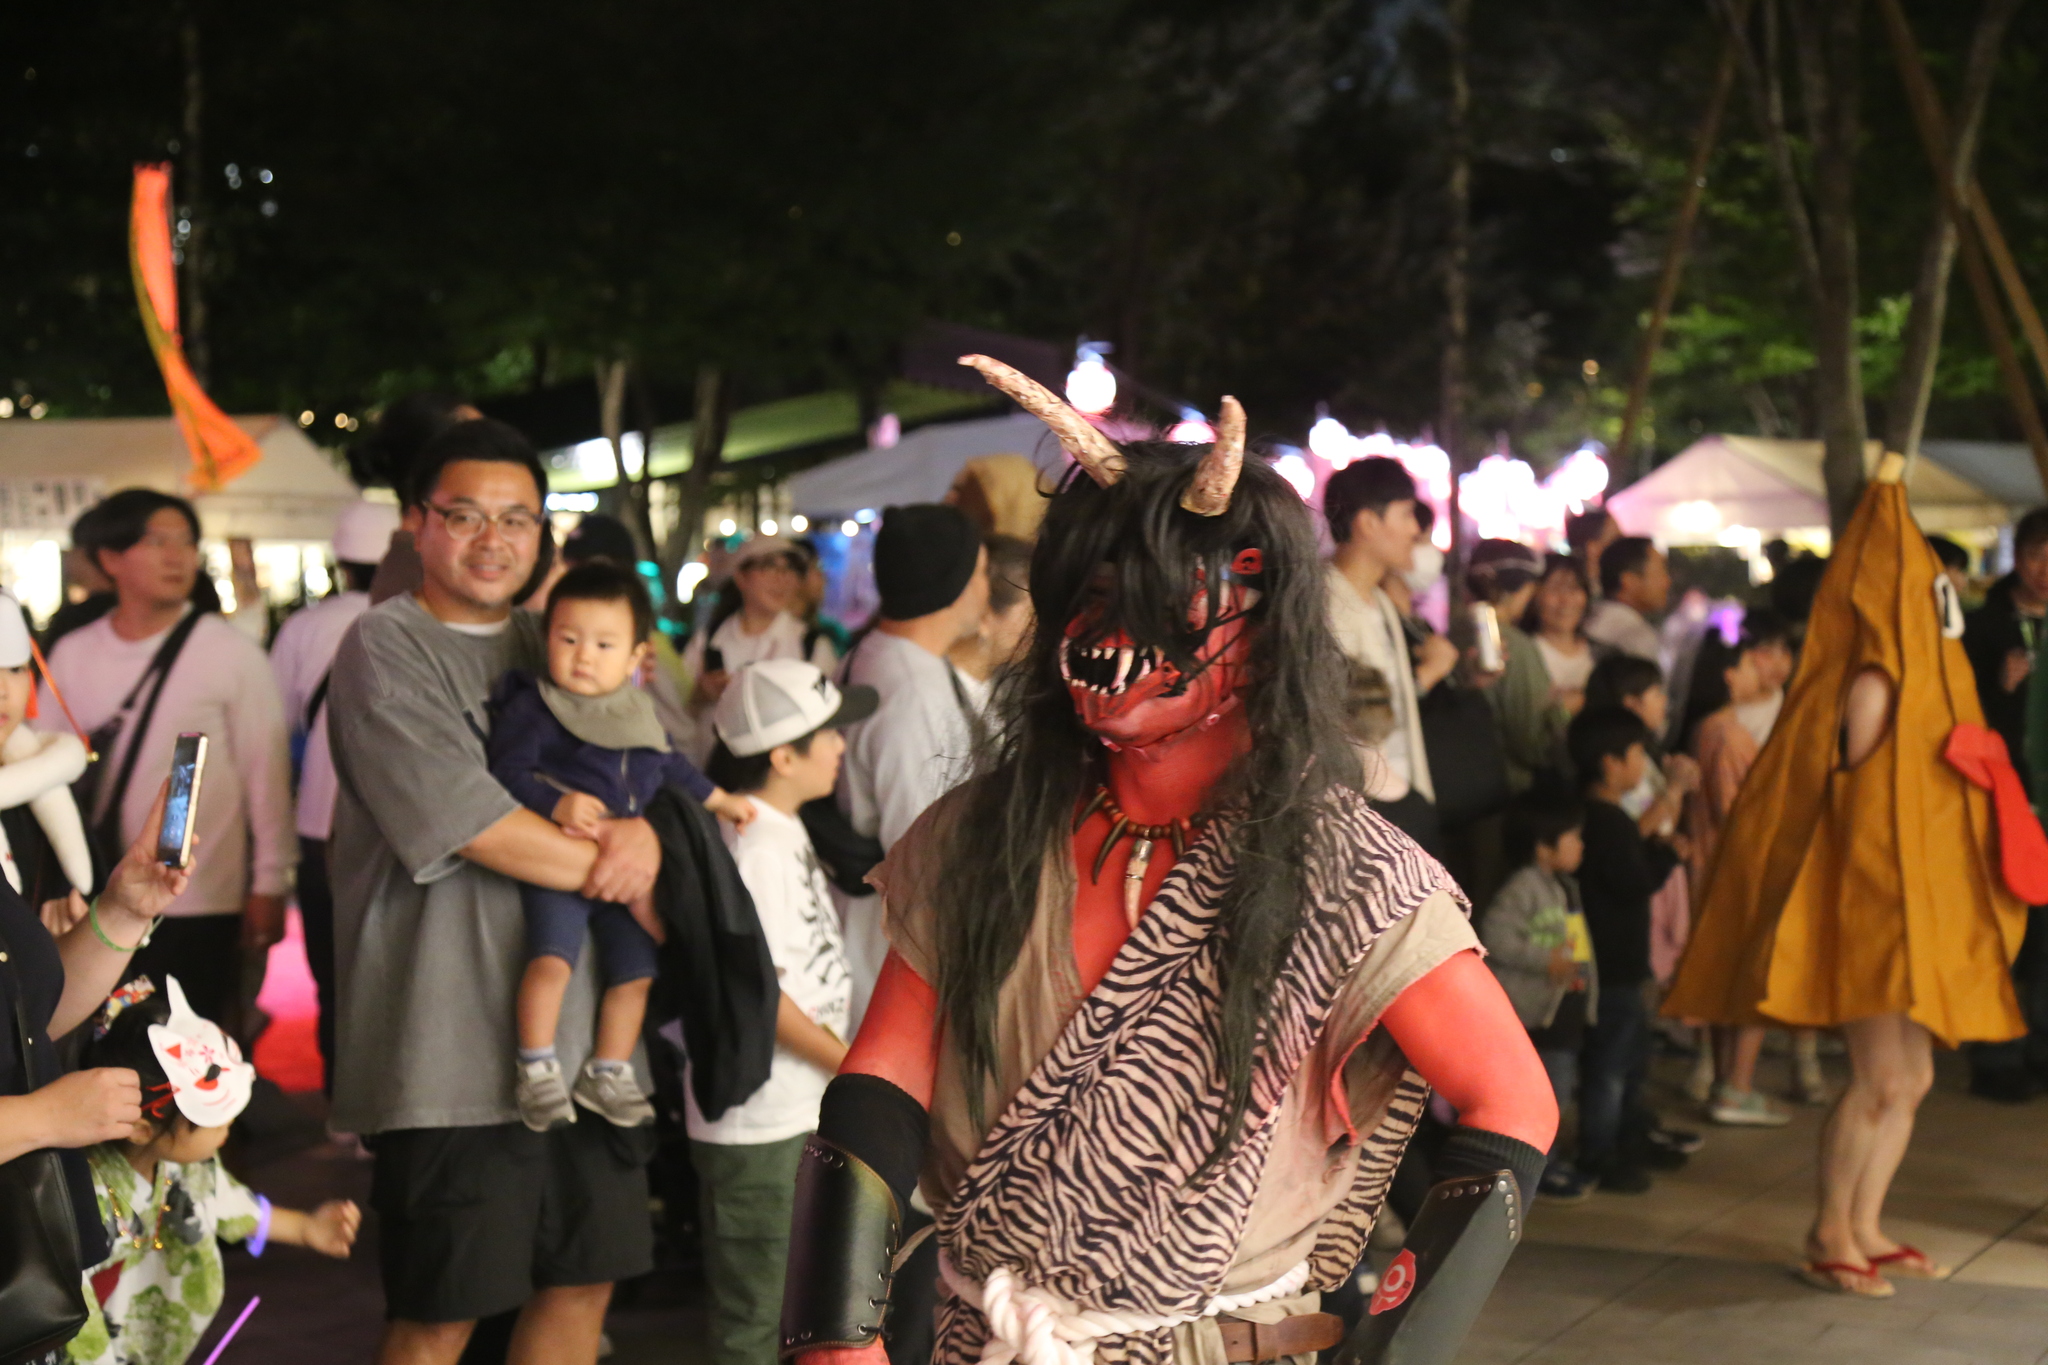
x: 581, y: 746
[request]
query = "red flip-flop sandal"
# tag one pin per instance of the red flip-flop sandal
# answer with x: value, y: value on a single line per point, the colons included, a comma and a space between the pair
x: 1912, y: 1263
x: 1840, y: 1277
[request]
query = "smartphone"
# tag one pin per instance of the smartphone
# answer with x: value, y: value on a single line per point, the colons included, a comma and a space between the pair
x: 1486, y: 625
x: 714, y: 659
x: 188, y: 766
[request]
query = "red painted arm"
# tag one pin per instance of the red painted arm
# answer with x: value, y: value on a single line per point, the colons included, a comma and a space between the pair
x: 1457, y: 1028
x: 899, y: 1035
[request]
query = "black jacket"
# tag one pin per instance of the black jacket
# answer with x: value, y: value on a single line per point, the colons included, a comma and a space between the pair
x: 1990, y: 633
x: 1619, y: 874
x: 716, y: 974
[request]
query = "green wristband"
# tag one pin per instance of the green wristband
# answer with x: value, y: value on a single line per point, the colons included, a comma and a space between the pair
x: 93, y: 914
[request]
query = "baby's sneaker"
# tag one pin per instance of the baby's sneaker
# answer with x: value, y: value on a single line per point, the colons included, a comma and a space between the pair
x: 543, y: 1098
x: 610, y: 1090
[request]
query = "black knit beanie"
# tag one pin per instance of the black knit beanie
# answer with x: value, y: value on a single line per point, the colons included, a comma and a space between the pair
x: 924, y: 555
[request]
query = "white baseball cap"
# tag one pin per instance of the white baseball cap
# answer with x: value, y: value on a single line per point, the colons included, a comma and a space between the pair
x: 362, y: 533
x: 778, y: 701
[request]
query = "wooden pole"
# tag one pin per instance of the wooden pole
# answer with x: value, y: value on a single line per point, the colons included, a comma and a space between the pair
x: 1932, y: 124
x: 1681, y: 237
x: 2009, y: 276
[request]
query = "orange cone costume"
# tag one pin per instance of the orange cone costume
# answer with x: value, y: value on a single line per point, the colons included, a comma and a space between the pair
x: 1841, y: 893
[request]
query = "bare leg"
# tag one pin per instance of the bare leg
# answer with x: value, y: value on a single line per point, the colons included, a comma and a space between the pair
x: 540, y: 1000
x: 619, y: 1016
x: 1891, y: 1065
x: 1739, y: 1057
x: 423, y: 1343
x: 1911, y: 1077
x: 560, y: 1326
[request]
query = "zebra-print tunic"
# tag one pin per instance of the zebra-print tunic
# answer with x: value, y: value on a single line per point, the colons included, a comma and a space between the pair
x: 1085, y: 1183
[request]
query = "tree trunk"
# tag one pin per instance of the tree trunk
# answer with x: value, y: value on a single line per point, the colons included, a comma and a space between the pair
x: 1828, y: 35
x: 707, y: 451
x: 1906, y: 413
x: 1762, y: 78
x: 1681, y: 236
x: 1457, y: 285
x: 643, y: 484
x: 192, y: 307
x: 614, y: 379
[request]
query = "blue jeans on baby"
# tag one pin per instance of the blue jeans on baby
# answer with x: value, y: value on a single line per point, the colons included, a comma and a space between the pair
x: 555, y: 921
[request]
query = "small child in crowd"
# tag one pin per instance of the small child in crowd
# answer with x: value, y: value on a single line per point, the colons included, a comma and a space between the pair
x: 1619, y: 873
x: 164, y: 1196
x: 581, y: 746
x: 778, y: 741
x: 1538, y: 945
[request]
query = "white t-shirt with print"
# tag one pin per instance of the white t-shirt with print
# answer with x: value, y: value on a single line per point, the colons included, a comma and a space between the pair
x: 794, y: 901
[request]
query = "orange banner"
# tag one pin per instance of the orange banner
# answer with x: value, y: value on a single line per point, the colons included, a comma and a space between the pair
x: 221, y: 451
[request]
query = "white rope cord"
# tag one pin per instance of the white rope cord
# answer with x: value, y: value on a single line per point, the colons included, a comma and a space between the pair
x: 1037, y: 1327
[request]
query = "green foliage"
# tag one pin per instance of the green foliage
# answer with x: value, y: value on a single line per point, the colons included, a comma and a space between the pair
x: 1244, y: 197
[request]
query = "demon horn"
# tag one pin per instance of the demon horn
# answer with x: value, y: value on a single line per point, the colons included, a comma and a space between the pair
x: 1216, y: 477
x: 1095, y: 452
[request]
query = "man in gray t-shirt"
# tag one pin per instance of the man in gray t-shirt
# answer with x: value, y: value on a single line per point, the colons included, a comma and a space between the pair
x: 477, y: 1213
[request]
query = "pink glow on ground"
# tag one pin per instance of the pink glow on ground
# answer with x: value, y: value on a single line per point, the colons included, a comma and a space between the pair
x: 289, y: 1052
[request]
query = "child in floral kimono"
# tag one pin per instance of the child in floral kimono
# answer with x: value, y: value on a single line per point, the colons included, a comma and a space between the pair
x: 167, y: 1201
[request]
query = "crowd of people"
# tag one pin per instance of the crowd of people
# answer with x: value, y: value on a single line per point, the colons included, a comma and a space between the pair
x: 476, y: 766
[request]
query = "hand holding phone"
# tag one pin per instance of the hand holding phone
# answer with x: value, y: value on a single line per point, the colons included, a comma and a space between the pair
x: 188, y: 766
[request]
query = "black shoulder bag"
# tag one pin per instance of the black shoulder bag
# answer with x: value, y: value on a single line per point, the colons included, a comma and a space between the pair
x: 105, y: 832
x: 42, y: 1294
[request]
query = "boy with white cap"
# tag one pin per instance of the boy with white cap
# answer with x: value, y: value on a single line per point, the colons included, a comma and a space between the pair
x: 779, y: 743
x: 301, y: 657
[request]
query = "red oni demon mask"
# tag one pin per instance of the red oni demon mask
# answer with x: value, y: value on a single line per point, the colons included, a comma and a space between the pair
x: 1127, y: 693
x: 1133, y: 696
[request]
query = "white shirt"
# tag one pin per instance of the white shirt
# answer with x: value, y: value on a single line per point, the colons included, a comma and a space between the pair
x: 792, y: 897
x: 1369, y: 631
x: 300, y: 657
x: 1621, y: 627
x: 784, y: 639
x: 1568, y: 672
x: 915, y: 748
x: 1758, y: 717
x: 221, y: 686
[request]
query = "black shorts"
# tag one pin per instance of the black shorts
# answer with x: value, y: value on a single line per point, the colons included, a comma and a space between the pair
x: 473, y: 1220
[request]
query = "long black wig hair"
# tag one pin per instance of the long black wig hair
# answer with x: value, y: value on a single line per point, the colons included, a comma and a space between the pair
x: 1129, y: 557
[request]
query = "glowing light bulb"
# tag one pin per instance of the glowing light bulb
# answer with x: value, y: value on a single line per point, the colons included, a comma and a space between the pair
x: 727, y: 526
x: 688, y: 577
x: 1296, y: 471
x: 799, y: 523
x: 849, y: 528
x: 1329, y: 439
x: 1091, y: 387
x: 768, y: 527
x: 1192, y: 431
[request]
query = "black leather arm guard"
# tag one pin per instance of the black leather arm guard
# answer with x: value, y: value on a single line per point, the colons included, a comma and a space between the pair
x: 843, y: 1234
x: 1431, y: 1293
x: 852, y: 1186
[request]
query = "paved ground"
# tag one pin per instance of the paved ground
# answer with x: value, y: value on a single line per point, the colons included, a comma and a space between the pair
x: 1693, y: 1273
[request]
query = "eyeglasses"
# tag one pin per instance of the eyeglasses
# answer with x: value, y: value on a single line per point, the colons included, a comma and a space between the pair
x: 467, y: 523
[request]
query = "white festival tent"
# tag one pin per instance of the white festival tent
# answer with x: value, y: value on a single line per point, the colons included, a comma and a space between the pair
x: 1733, y: 490
x: 53, y: 469
x: 920, y: 467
